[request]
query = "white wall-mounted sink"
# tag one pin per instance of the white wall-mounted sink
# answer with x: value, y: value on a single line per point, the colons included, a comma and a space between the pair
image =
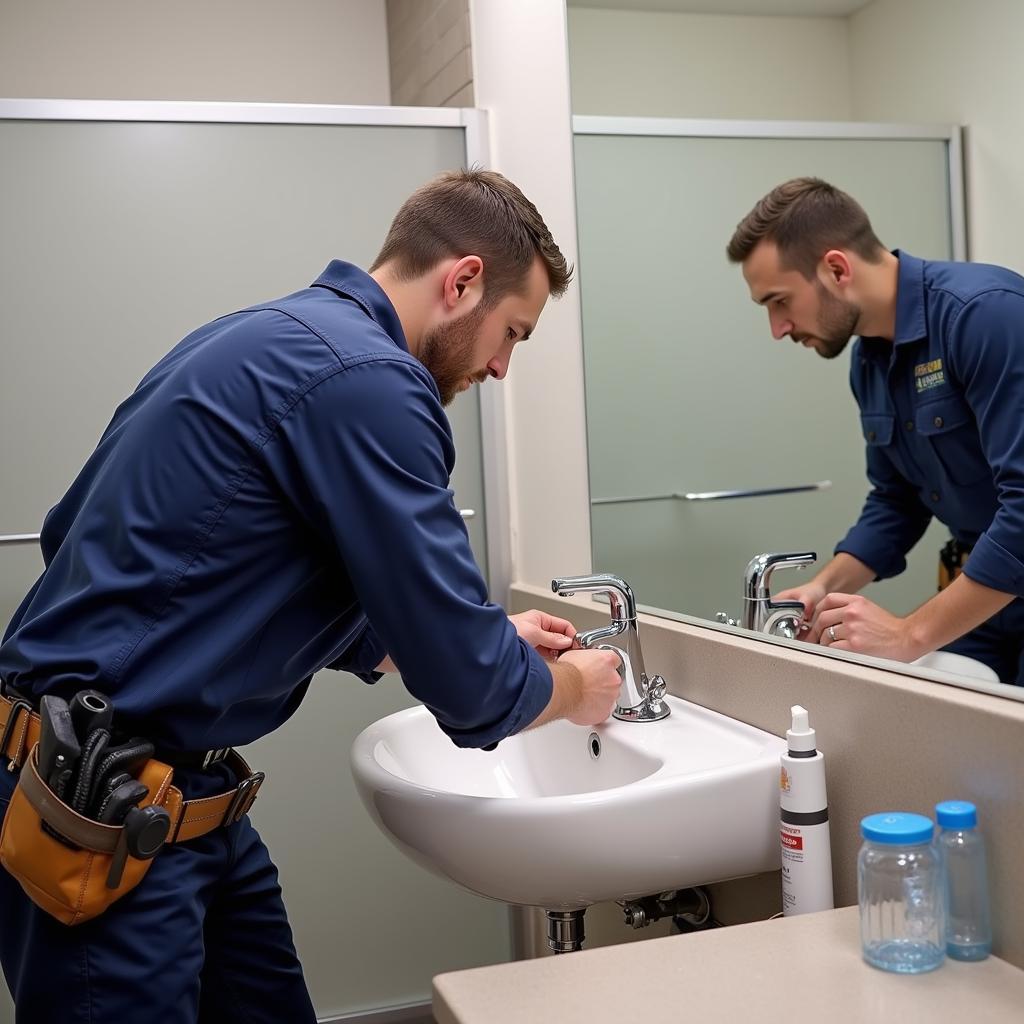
x: 958, y: 664
x: 541, y: 821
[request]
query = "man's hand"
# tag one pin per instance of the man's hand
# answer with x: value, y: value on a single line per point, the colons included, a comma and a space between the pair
x: 810, y: 595
x: 547, y: 634
x: 849, y: 622
x: 586, y: 688
x: 844, y: 574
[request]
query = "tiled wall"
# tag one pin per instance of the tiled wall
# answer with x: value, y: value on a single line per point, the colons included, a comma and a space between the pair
x: 431, y: 59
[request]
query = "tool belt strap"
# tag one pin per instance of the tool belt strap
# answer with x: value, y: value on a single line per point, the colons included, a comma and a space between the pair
x: 19, y: 733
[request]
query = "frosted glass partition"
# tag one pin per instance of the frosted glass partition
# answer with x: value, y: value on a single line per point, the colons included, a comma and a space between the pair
x: 124, y: 227
x: 687, y: 393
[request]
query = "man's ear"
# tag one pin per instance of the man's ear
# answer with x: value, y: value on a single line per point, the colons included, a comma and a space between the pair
x: 836, y: 267
x: 464, y: 283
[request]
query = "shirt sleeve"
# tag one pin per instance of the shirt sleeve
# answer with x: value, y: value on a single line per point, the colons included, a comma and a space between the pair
x: 986, y: 355
x: 362, y: 656
x: 366, y: 456
x: 893, y: 518
x: 892, y: 521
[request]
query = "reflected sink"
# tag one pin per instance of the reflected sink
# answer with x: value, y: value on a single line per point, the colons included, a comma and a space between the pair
x: 564, y: 816
x: 959, y: 664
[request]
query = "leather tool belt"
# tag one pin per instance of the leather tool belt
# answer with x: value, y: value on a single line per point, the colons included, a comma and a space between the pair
x: 952, y: 559
x: 74, y: 867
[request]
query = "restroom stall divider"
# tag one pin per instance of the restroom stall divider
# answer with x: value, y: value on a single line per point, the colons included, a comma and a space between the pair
x: 125, y: 225
x: 725, y: 444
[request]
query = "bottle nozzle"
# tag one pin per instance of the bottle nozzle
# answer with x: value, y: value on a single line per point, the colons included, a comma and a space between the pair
x: 800, y: 735
x: 800, y: 719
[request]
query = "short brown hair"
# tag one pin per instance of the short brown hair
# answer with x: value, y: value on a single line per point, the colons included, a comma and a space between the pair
x: 474, y: 212
x: 805, y: 217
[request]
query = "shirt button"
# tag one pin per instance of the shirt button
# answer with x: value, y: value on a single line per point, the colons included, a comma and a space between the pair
x: 871, y: 435
x: 909, y: 424
x: 935, y: 495
x: 937, y: 421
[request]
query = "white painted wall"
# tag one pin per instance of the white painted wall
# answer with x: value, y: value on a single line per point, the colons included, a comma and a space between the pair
x: 304, y: 51
x: 949, y: 61
x: 699, y: 65
x: 521, y: 76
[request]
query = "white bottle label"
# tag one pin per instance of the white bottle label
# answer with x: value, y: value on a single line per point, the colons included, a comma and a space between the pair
x: 806, y: 868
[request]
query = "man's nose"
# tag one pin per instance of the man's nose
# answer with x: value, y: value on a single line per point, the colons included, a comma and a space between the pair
x: 498, y: 367
x: 781, y: 326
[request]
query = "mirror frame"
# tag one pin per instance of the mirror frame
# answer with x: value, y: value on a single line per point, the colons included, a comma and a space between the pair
x: 952, y: 135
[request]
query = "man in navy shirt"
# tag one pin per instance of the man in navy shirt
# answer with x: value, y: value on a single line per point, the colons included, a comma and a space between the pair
x: 938, y: 373
x: 274, y: 499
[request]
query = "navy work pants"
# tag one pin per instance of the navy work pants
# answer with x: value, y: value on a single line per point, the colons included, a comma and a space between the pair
x: 203, y: 938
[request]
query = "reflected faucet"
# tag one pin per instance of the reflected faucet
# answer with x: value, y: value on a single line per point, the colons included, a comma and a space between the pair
x: 760, y: 612
x: 640, y: 698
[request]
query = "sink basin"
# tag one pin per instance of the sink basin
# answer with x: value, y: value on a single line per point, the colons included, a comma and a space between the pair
x: 564, y: 816
x: 959, y: 664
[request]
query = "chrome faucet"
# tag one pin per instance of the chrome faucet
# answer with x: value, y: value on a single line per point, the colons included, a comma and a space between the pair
x: 760, y: 612
x: 640, y: 698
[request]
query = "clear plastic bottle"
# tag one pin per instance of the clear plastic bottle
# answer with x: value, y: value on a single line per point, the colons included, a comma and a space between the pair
x: 901, y: 893
x: 962, y: 852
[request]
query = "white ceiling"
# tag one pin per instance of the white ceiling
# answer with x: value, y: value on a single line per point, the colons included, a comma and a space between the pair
x: 792, y: 8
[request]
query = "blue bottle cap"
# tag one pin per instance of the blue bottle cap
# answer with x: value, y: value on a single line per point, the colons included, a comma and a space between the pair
x: 956, y: 814
x: 896, y: 828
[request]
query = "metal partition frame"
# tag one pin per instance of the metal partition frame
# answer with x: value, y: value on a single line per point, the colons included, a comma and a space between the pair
x: 493, y: 429
x: 951, y: 135
x: 474, y: 124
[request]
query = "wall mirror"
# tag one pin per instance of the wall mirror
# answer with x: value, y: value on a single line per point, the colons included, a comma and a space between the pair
x: 709, y: 443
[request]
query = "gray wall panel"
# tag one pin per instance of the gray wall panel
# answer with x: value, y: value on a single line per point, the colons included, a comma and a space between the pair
x: 116, y: 239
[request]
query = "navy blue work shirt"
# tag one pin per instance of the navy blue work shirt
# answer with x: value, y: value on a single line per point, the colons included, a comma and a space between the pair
x: 272, y: 499
x: 942, y: 409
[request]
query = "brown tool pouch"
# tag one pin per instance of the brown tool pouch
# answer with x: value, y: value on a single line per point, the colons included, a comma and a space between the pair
x: 70, y: 866
x: 73, y: 867
x: 952, y: 559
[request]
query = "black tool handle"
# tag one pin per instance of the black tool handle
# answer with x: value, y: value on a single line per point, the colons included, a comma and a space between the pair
x: 93, y: 750
x: 146, y: 829
x: 59, y: 749
x: 126, y: 757
x: 90, y: 710
x: 119, y: 801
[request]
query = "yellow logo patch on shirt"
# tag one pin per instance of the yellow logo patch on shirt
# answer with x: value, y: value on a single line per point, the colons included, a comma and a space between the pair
x: 929, y: 375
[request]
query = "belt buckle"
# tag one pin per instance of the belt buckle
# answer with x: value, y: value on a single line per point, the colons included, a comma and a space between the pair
x: 215, y: 756
x: 12, y: 720
x: 245, y: 796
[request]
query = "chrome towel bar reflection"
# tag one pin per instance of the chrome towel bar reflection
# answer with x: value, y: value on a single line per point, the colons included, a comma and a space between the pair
x: 757, y: 492
x: 33, y: 538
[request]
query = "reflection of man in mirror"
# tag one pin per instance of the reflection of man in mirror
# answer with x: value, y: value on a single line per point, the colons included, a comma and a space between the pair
x: 938, y: 373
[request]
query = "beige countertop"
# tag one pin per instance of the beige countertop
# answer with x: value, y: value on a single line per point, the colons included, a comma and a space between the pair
x: 769, y: 972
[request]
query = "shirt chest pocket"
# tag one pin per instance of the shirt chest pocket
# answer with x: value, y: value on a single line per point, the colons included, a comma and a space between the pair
x: 879, y: 435
x: 877, y: 428
x: 948, y: 427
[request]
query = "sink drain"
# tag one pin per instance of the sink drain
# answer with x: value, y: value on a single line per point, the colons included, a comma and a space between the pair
x: 594, y: 743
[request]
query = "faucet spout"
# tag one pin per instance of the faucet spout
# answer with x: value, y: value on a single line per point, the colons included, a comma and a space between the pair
x: 620, y: 595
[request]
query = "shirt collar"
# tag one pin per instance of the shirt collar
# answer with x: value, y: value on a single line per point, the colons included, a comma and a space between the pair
x: 910, y: 309
x: 348, y: 280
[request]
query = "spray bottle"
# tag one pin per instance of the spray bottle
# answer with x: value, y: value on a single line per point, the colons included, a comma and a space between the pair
x: 806, y: 852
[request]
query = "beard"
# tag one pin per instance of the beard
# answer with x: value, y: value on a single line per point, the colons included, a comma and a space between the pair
x: 447, y: 353
x: 837, y: 323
